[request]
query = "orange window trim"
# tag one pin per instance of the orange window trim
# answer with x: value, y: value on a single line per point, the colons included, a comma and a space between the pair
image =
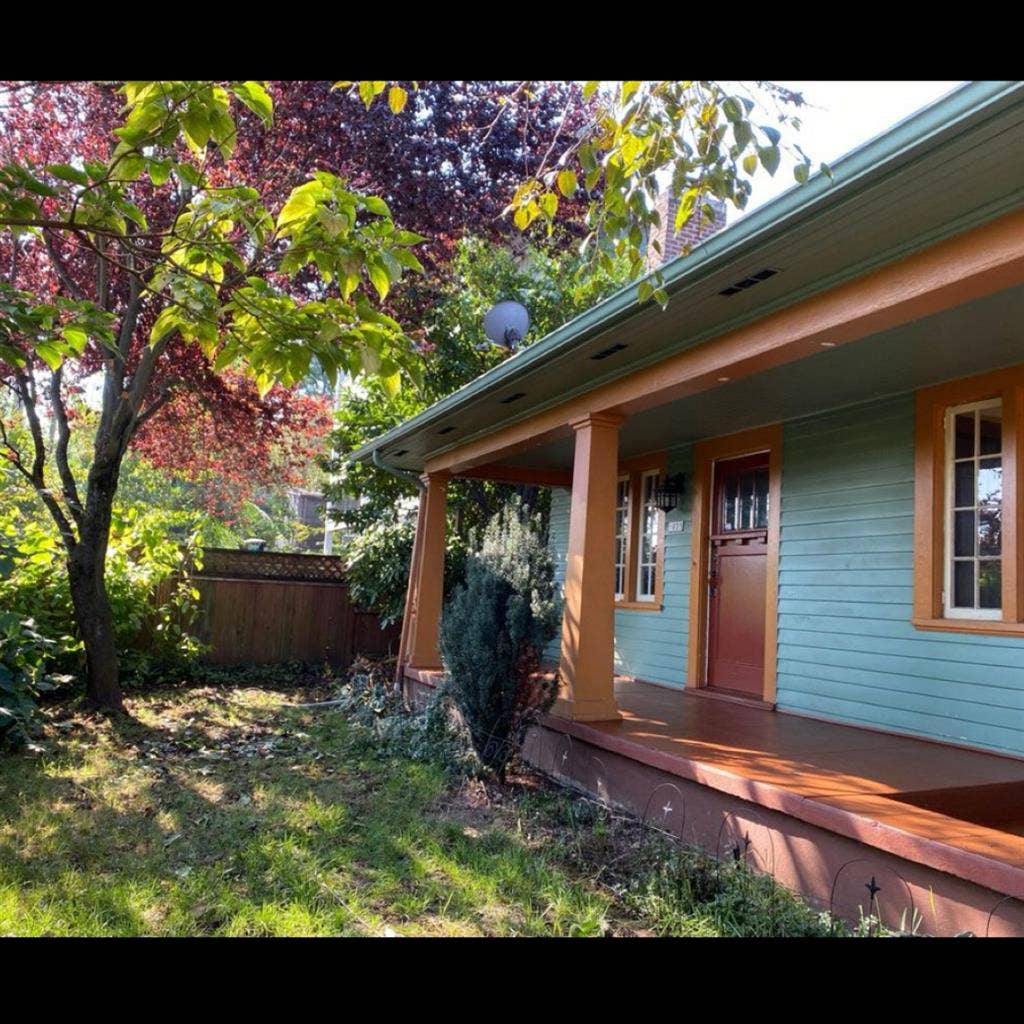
x: 930, y: 500
x: 634, y: 470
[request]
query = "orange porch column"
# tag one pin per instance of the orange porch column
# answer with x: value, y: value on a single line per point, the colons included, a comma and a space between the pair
x: 422, y: 641
x: 587, y: 665
x: 411, y: 592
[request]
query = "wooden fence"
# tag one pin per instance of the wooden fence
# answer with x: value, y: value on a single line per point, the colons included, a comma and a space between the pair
x: 261, y: 608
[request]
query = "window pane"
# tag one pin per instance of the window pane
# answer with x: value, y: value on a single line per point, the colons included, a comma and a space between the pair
x: 747, y: 491
x: 990, y: 531
x: 964, y: 532
x: 729, y: 504
x: 964, y: 431
x: 990, y: 430
x: 761, y: 499
x: 990, y: 481
x: 964, y: 484
x: 963, y: 584
x: 990, y: 585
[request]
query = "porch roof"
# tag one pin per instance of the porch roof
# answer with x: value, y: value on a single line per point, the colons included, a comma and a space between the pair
x: 954, y: 165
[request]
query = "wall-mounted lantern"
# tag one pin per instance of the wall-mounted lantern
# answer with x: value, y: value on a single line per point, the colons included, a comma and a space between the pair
x: 669, y: 492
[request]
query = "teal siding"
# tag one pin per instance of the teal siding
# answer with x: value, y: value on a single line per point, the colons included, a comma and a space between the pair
x: 649, y: 645
x: 847, y: 649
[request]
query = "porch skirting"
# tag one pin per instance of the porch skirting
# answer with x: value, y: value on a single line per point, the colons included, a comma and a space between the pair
x: 828, y: 810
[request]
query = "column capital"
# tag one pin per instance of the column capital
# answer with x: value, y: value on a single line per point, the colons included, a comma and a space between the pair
x: 598, y: 419
x: 438, y: 476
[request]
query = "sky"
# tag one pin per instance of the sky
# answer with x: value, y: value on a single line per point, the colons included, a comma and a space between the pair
x: 840, y: 116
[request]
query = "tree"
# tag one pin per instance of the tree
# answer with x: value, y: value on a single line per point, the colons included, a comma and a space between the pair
x: 555, y: 285
x: 493, y: 632
x: 154, y: 241
x: 120, y: 256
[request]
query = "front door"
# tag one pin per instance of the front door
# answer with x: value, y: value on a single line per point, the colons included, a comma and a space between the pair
x: 737, y: 580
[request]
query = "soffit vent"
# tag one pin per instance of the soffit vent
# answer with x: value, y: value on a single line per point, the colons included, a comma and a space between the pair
x: 400, y: 451
x: 446, y: 430
x: 748, y: 282
x: 513, y: 398
x: 609, y: 351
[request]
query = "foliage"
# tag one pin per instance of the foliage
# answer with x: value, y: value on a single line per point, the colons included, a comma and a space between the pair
x: 26, y: 659
x: 430, y: 733
x: 154, y: 606
x: 555, y: 286
x: 623, y: 139
x: 493, y: 632
x: 129, y: 236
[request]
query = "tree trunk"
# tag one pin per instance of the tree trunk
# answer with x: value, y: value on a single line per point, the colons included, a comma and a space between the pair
x: 86, y: 570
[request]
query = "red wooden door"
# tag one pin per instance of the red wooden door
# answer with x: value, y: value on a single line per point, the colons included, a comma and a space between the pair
x: 736, y: 588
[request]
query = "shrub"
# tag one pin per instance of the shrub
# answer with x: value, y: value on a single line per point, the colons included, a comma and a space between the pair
x: 25, y: 657
x: 432, y: 733
x: 154, y: 606
x: 377, y: 563
x: 493, y: 632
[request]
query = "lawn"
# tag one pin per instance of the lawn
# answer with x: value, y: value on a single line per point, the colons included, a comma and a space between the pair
x: 236, y: 811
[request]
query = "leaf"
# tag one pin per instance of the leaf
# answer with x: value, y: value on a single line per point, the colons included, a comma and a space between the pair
x: 732, y: 109
x: 750, y: 163
x: 66, y: 172
x: 299, y: 206
x: 376, y: 205
x: 770, y: 157
x: 801, y: 172
x: 589, y: 89
x: 196, y: 123
x: 379, y: 278
x: 628, y: 90
x: 773, y: 133
x: 256, y: 98
x: 567, y: 183
x: 686, y: 205
x: 397, y: 99
x: 50, y: 354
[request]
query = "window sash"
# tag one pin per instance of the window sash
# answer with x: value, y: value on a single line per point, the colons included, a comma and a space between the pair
x: 953, y: 504
x: 622, y: 523
x: 649, y: 538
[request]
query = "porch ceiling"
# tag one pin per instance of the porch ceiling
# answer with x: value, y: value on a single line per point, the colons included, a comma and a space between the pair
x: 972, y: 338
x: 954, y: 165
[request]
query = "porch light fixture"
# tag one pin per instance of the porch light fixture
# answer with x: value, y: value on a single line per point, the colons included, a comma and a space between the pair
x: 669, y: 492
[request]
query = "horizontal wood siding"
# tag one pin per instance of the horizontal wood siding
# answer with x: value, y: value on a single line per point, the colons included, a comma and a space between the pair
x: 650, y: 645
x: 847, y: 650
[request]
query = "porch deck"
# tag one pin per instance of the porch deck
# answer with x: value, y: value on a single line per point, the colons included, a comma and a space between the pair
x: 956, y: 811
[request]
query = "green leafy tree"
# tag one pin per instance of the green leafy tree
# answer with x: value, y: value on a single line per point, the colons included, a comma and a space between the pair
x: 155, y: 242
x: 555, y: 285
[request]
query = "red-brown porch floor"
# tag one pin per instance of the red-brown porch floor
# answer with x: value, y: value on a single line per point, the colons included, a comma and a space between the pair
x: 958, y: 810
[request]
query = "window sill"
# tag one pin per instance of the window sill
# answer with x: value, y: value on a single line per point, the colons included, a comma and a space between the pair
x: 994, y: 627
x: 639, y: 606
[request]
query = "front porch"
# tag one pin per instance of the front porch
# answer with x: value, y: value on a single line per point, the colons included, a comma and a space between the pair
x: 825, y: 808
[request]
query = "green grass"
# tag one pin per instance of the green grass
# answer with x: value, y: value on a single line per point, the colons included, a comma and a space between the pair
x: 219, y: 812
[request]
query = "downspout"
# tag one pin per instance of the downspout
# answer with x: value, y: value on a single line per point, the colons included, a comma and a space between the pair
x: 410, y: 478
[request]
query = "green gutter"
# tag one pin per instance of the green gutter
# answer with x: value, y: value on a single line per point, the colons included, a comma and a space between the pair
x: 925, y: 128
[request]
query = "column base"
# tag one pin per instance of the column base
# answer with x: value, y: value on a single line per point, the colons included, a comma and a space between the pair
x: 586, y: 710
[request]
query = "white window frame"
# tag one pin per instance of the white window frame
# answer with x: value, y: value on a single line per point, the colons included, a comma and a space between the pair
x: 643, y: 504
x: 951, y: 611
x: 622, y: 536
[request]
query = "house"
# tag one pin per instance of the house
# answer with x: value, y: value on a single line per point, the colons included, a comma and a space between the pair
x: 788, y: 517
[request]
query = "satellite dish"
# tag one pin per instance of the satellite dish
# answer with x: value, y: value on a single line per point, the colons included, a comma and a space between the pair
x: 506, y: 324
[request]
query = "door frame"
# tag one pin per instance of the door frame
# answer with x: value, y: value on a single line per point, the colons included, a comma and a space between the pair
x: 705, y: 454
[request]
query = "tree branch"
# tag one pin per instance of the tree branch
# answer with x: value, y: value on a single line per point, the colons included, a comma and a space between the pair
x: 67, y: 478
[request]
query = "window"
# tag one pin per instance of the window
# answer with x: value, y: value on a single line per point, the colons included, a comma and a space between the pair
x: 639, y: 526
x: 647, y: 564
x: 974, y: 504
x: 621, y: 538
x: 967, y: 573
